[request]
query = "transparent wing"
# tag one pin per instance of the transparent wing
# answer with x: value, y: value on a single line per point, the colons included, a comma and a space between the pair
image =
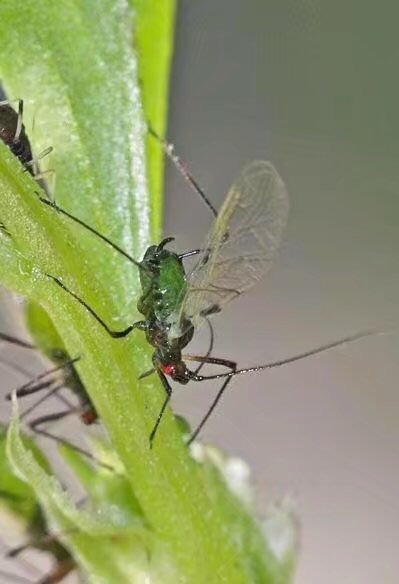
x: 241, y: 246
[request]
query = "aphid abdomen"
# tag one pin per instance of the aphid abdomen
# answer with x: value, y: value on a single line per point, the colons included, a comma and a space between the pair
x: 170, y: 286
x: 163, y: 284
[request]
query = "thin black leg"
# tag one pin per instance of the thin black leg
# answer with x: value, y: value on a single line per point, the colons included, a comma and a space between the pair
x: 59, y: 572
x: 36, y: 383
x: 210, y: 347
x: 53, y: 391
x: 206, y: 359
x: 31, y: 389
x: 15, y: 341
x: 89, y: 228
x: 210, y: 410
x: 212, y: 361
x: 168, y: 390
x: 112, y: 333
x: 147, y: 373
x: 34, y: 426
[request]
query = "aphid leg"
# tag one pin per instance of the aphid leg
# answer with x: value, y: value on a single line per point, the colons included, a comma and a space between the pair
x: 147, y: 373
x: 53, y: 391
x: 210, y: 347
x: 15, y: 551
x: 59, y: 572
x: 41, y: 178
x: 34, y: 163
x: 56, y: 575
x: 45, y: 152
x: 47, y: 186
x: 210, y: 410
x: 168, y: 390
x: 15, y: 341
x: 141, y: 325
x: 211, y: 361
x: 182, y: 168
x: 54, y: 206
x: 35, y: 424
x: 41, y: 381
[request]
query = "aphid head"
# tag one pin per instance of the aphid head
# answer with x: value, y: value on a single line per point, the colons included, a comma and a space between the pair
x: 154, y: 253
x: 177, y: 371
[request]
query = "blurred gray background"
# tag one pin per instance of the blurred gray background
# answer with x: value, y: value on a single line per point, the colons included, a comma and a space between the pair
x: 312, y: 86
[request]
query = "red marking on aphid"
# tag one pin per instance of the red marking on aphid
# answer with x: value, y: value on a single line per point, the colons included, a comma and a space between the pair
x: 168, y: 369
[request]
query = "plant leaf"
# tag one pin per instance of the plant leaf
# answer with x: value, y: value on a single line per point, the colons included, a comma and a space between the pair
x: 106, y: 552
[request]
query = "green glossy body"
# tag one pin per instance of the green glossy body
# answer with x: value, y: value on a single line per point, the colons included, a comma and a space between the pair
x: 163, y: 282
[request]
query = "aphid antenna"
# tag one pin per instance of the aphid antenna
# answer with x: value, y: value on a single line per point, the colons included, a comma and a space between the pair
x: 181, y: 166
x: 300, y: 356
x: 229, y: 375
x: 47, y: 434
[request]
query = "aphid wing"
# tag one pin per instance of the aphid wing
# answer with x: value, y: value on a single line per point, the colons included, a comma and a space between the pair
x: 242, y: 244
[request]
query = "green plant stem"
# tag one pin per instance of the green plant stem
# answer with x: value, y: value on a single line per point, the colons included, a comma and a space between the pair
x: 96, y: 123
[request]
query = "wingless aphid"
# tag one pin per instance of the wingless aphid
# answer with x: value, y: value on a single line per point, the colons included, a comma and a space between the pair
x: 238, y: 251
